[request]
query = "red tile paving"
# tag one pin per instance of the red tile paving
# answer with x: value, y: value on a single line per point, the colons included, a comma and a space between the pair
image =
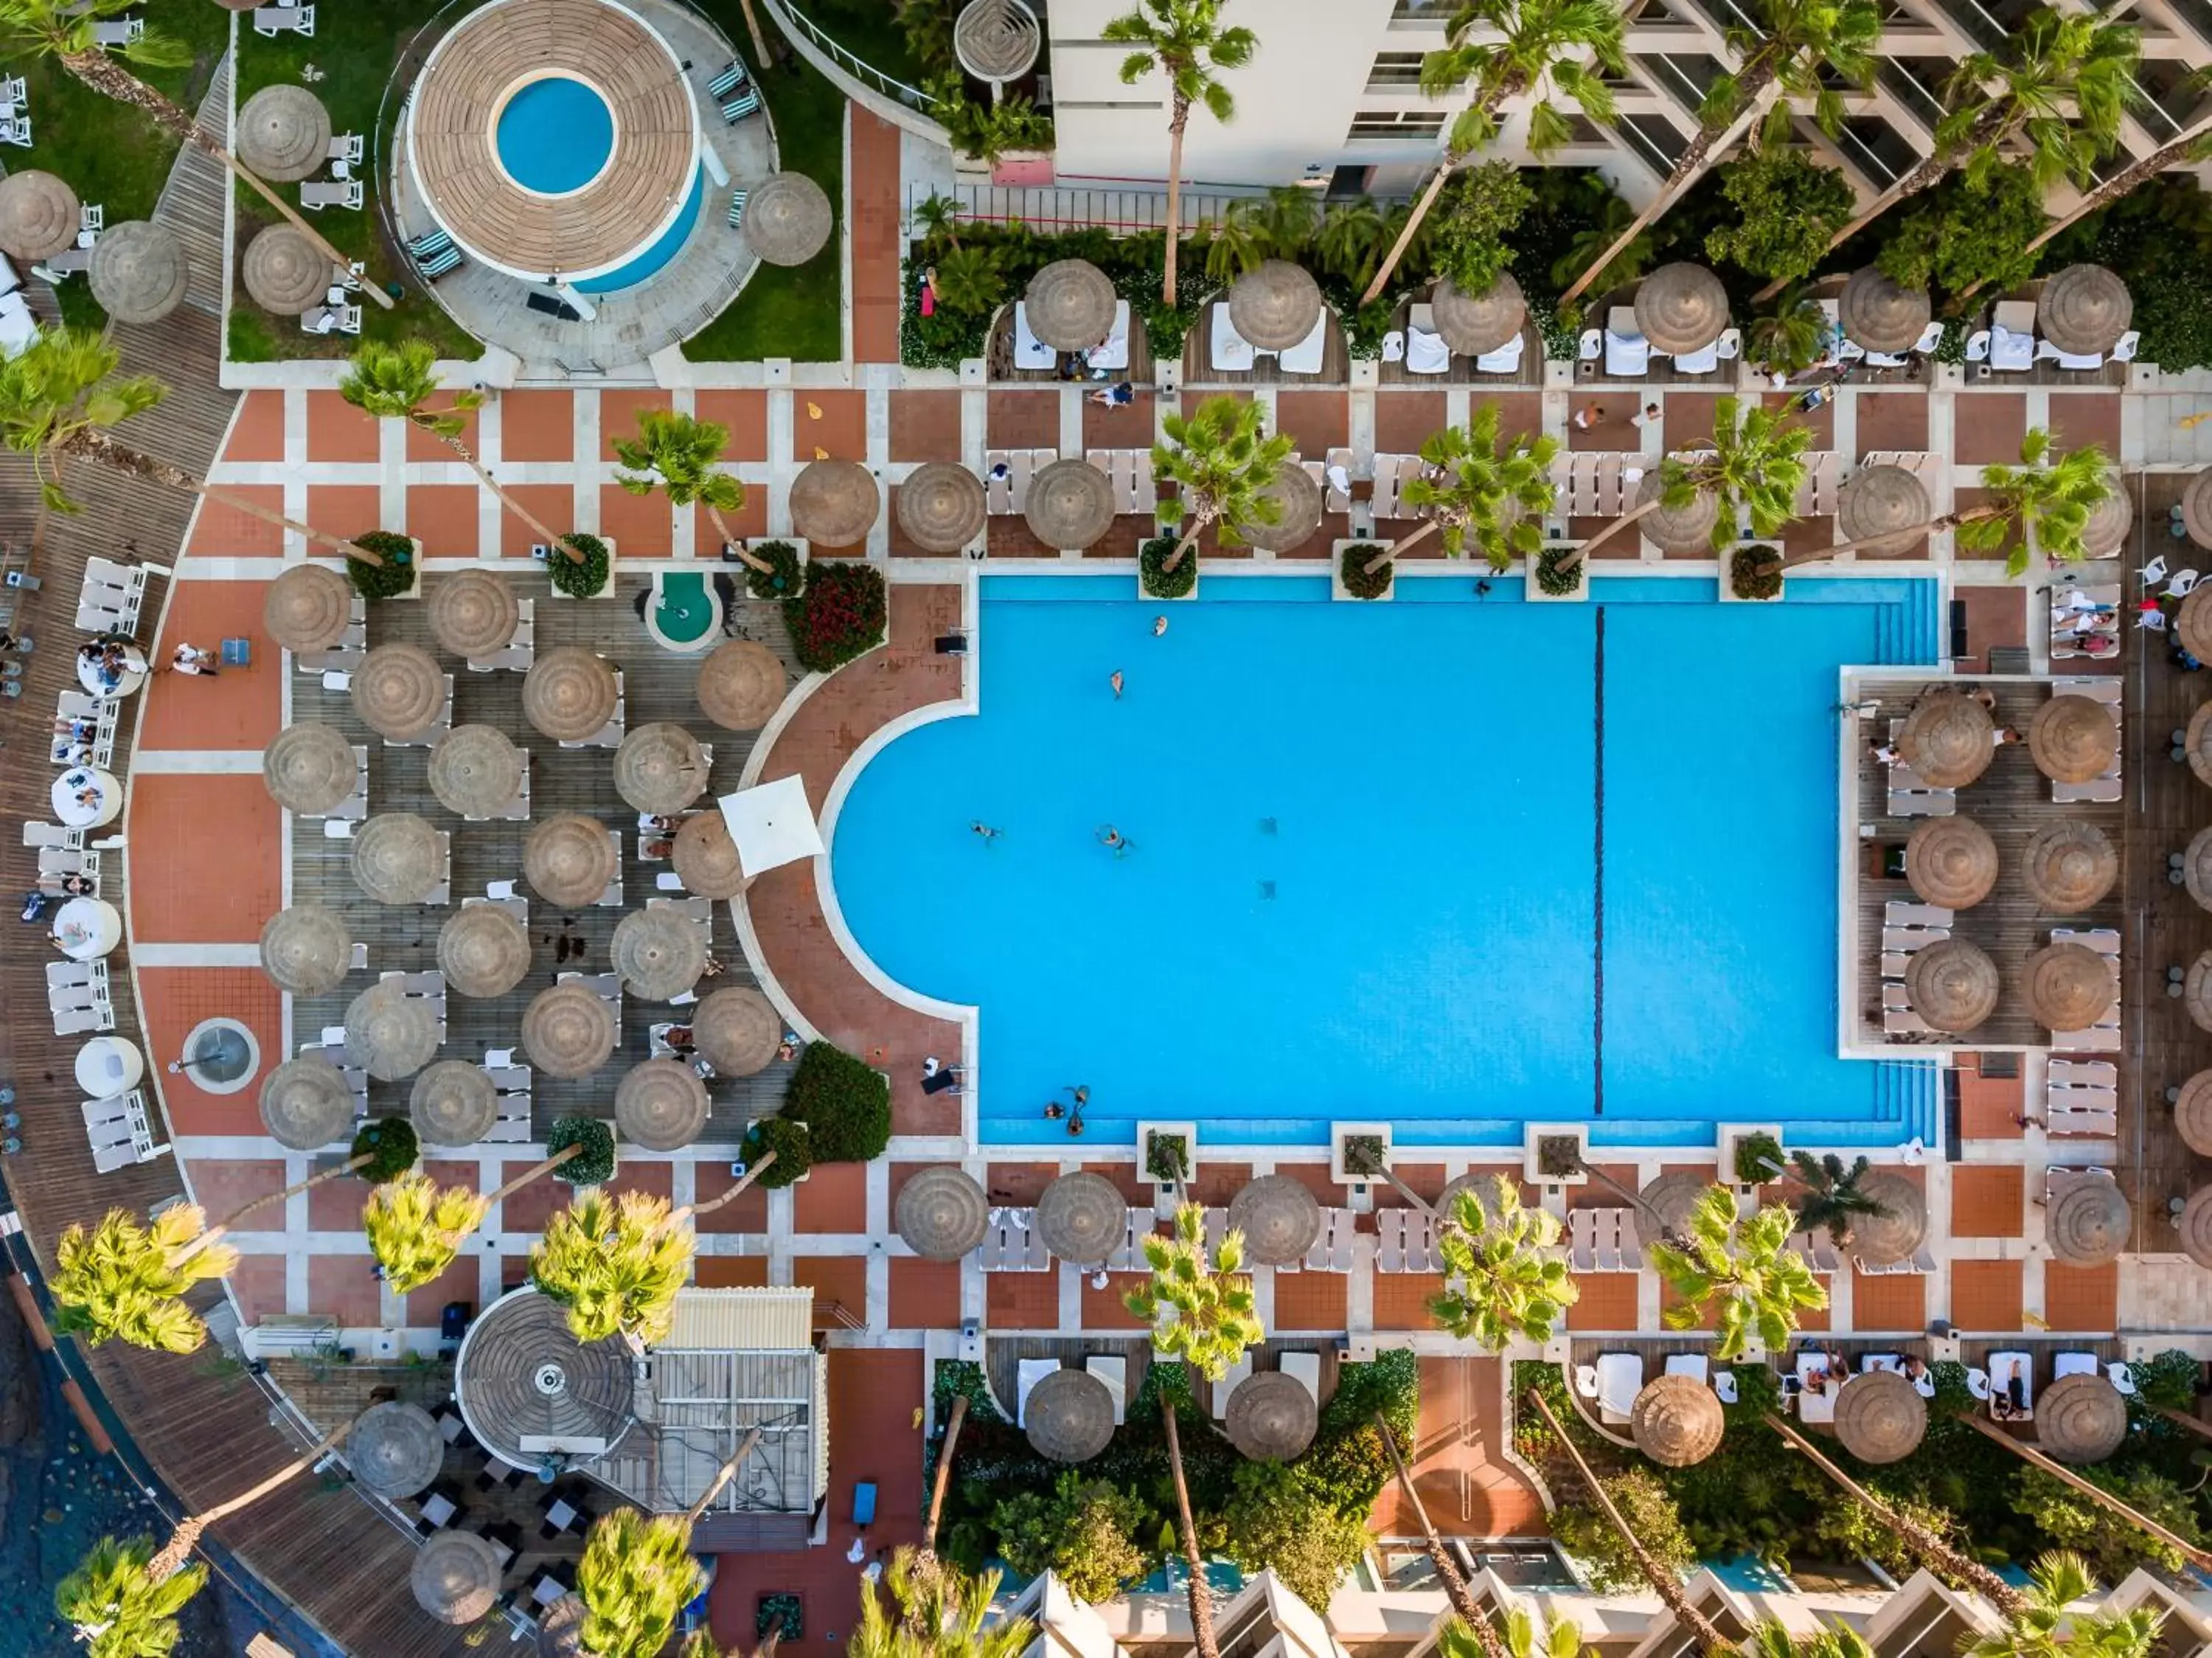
x: 748, y: 521
x: 336, y: 1205
x: 925, y: 1295
x: 1518, y: 412
x: 1892, y: 420
x: 1310, y: 1301
x: 835, y: 1280
x: 423, y: 446
x: 1214, y: 1183
x: 553, y: 505
x: 2085, y: 1298
x: 1402, y: 420
x: 1986, y: 1295
x: 1135, y: 1191
x: 731, y: 1272
x: 528, y: 1210
x: 1608, y: 1301
x: 1890, y: 1300
x: 1401, y: 1299
x: 1989, y: 1107
x: 1821, y: 421
x: 2080, y: 418
x: 747, y: 1213
x: 257, y: 432
x: 338, y: 431
x: 458, y: 1282
x: 1458, y: 1459
x: 1687, y: 423
x: 1988, y: 1200
x: 1987, y: 426
x: 224, y: 1188
x: 925, y: 426
x: 833, y: 1197
x: 258, y: 1282
x: 1426, y: 1180
x: 1131, y: 425
x: 1317, y: 421
x: 655, y: 1179
x: 172, y: 1000
x: 1811, y: 1318
x: 536, y: 426
x: 835, y: 422
x: 1020, y: 1184
x: 1994, y: 616
x: 448, y: 1172
x: 618, y: 411
x: 345, y: 1287
x: 221, y: 530
x: 745, y: 414
x: 344, y: 509
x: 1022, y: 420
x: 1610, y: 429
x: 1103, y: 1308
x: 207, y: 893
x: 873, y: 179
x: 238, y: 708
x: 444, y: 518
x: 1021, y: 1301
x: 1314, y: 1177
x: 641, y: 525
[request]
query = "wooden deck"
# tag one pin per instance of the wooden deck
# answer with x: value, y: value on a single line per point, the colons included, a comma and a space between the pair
x: 1198, y: 367
x: 1461, y: 371
x: 1002, y: 1357
x: 999, y: 354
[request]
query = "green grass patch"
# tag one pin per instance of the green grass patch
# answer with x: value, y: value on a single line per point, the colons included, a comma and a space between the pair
x: 866, y: 28
x: 796, y: 311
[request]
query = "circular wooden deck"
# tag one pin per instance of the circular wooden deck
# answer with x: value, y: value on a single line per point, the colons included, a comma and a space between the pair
x: 522, y: 1375
x: 468, y: 79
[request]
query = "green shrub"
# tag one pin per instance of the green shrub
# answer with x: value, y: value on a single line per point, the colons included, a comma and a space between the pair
x: 389, y: 579
x: 1787, y: 205
x: 964, y: 1377
x: 845, y: 1104
x: 1553, y: 579
x: 843, y: 614
x: 595, y: 1164
x: 1757, y: 1156
x: 389, y: 1142
x: 784, y: 575
x: 788, y: 1140
x: 2112, y: 1546
x: 1278, y: 1520
x: 1167, y: 1157
x: 579, y: 579
x: 1583, y: 1531
x: 2168, y: 1381
x: 1755, y: 572
x: 1475, y: 214
x: 1086, y: 1530
x: 1354, y: 568
x: 1158, y: 581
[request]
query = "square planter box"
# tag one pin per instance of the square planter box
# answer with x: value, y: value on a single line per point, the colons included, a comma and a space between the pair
x: 1733, y: 1137
x: 1338, y: 1134
x: 1729, y: 594
x: 1336, y: 588
x: 608, y: 542
x: 805, y: 550
x: 1165, y: 1192
x: 1537, y: 595
x: 1532, y: 1152
x: 1154, y: 598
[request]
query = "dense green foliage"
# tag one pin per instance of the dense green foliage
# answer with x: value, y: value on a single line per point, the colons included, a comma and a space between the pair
x: 1276, y: 1518
x: 389, y: 1143
x: 389, y: 579
x: 1788, y: 207
x: 1555, y: 577
x: 1475, y: 219
x: 595, y: 1164
x: 1963, y: 232
x: 843, y: 614
x: 1352, y: 567
x: 580, y: 578
x: 2159, y: 240
x: 845, y: 1103
x: 1086, y: 1530
x: 788, y: 1140
x: 1159, y: 582
x: 1754, y: 572
x: 784, y: 576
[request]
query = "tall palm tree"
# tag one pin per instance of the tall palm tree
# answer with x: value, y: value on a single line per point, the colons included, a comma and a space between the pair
x: 1456, y: 1590
x: 1185, y: 41
x: 1772, y: 1638
x: 60, y: 399
x: 1600, y: 246
x: 398, y: 382
x: 1220, y: 466
x: 66, y: 31
x: 1475, y: 487
x: 1504, y: 1279
x: 124, y: 1598
x: 683, y: 458
x: 1831, y: 1197
x: 1559, y: 1637
x: 2059, y: 87
x: 1756, y: 465
x: 935, y: 1611
x: 637, y: 1573
x: 2196, y: 1556
x: 415, y: 1228
x: 1350, y: 234
x: 1537, y: 45
x: 1201, y: 1312
x: 1795, y: 47
x: 1199, y: 1588
x: 937, y: 1482
x: 2046, y: 1621
x: 1745, y: 1264
x: 615, y: 1263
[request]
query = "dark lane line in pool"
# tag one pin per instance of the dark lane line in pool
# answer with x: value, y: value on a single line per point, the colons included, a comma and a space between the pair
x: 1597, y: 883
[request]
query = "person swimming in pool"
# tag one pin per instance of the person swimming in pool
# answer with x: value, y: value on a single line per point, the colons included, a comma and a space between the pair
x: 1114, y: 840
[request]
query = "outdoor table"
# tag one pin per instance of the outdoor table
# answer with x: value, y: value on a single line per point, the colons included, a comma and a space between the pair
x: 547, y: 1590
x: 72, y: 813
x: 560, y: 1516
x: 108, y: 1066
x: 438, y: 1508
x: 134, y: 674
x: 87, y: 928
x: 449, y: 1427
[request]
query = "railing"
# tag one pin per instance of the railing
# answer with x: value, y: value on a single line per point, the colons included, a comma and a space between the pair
x: 867, y: 74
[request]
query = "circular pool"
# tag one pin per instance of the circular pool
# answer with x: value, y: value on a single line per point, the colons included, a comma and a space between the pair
x: 554, y: 135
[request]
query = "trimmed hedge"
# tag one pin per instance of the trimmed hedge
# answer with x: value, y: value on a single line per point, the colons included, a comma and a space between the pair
x: 388, y: 580
x: 845, y: 1104
x: 1755, y: 572
x: 844, y: 614
x: 789, y: 1139
x: 1159, y: 582
x: 1551, y: 579
x: 390, y: 1143
x: 1354, y: 568
x: 784, y: 580
x: 587, y: 579
x: 595, y: 1164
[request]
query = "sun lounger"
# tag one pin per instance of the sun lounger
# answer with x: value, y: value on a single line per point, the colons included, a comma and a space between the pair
x: 1344, y: 1232
x: 1816, y: 1388
x: 1693, y: 1365
x: 1390, y: 1250
x: 1332, y: 499
x: 1702, y: 361
x: 1227, y: 1385
x: 1909, y: 939
x: 2081, y: 1124
x: 998, y: 491
x: 1620, y: 1379
x: 1627, y: 353
x: 1024, y: 468
x: 1317, y: 1257
x: 1029, y: 352
x: 745, y: 103
x: 1421, y: 1244
x: 2012, y: 1385
x: 1304, y: 1367
x: 2073, y: 1364
x: 1305, y: 357
x: 727, y: 81
x: 2085, y: 1073
x: 1916, y: 915
x: 1225, y: 349
x: 1582, y: 1240
x: 1505, y: 360
x: 1923, y: 802
x: 1113, y: 354
x: 1425, y: 350
x: 1114, y: 1373
x: 315, y: 194
x: 1027, y: 1374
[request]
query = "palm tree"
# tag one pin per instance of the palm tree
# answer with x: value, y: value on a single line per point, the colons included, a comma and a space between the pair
x: 1199, y: 1588
x: 1503, y: 1276
x: 1538, y: 45
x: 2060, y: 88
x: 2056, y: 1582
x: 1746, y: 1262
x: 1790, y: 337
x: 615, y: 1263
x: 935, y: 1611
x: 971, y: 280
x: 1618, y: 260
x: 1559, y: 1637
x: 124, y: 1598
x: 1454, y: 1582
x: 682, y: 457
x: 1201, y: 1313
x: 937, y: 220
x: 1184, y: 40
x: 1772, y: 1639
x: 397, y: 383
x: 1350, y: 234
x: 416, y: 1227
x: 1234, y: 243
x: 1831, y: 1198
x: 1474, y: 487
x: 1796, y: 46
x: 2199, y: 1558
x: 1220, y: 466
x: 60, y: 398
x: 1756, y: 465
x: 937, y: 1482
x: 637, y: 1573
x: 65, y: 31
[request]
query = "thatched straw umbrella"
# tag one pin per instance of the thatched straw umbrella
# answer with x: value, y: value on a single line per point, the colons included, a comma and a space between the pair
x: 661, y: 1106
x: 2196, y: 509
x: 787, y: 219
x: 1946, y: 739
x: 833, y: 503
x: 284, y: 133
x: 941, y: 1213
x: 472, y: 612
x: 2197, y: 743
x: 456, y: 1577
x: 1271, y: 1416
x: 659, y: 953
x: 741, y: 684
x: 2069, y: 866
x: 306, y: 949
x: 309, y: 607
x: 941, y: 507
x: 285, y: 272
x: 1473, y: 324
x: 570, y: 860
x: 1298, y: 503
x: 1686, y: 529
x: 483, y: 950
x: 2083, y: 310
x: 139, y: 272
x: 560, y: 1629
x: 2196, y: 868
x: 400, y: 691
x: 2080, y: 1418
x: 394, y: 1449
x: 476, y: 771
x: 2194, y: 1224
x: 1083, y: 1218
x: 1680, y: 308
x: 1879, y: 316
x: 1880, y: 1417
x: 1070, y: 1417
x: 2192, y: 1114
x: 2192, y: 623
x: 1895, y: 1235
x: 2110, y: 520
x: 1070, y: 305
x: 1952, y: 985
x: 453, y: 1103
x: 1885, y: 501
x: 2088, y: 1224
x: 1070, y: 506
x: 40, y: 216
x: 1676, y: 1421
x: 1275, y: 307
x: 568, y: 1031
x: 398, y: 858
x: 2196, y: 991
x: 996, y: 40
x: 737, y: 1030
x: 706, y: 858
x: 569, y: 694
x: 306, y: 1104
x: 390, y: 1035
x: 1279, y: 1218
x: 1951, y: 862
x: 660, y: 768
x: 2070, y: 986
x: 1668, y: 1200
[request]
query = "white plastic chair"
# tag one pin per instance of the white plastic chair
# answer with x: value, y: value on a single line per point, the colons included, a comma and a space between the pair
x: 2124, y: 350
x: 2183, y: 582
x: 1977, y: 346
x: 2152, y: 573
x: 1592, y: 342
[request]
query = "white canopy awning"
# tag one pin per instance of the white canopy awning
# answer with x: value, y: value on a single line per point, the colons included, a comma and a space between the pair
x: 772, y: 825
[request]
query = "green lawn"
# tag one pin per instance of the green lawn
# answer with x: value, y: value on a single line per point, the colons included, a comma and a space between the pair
x: 870, y: 30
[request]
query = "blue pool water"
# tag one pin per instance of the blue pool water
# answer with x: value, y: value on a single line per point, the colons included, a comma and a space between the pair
x: 554, y: 135
x: 1451, y: 862
x: 664, y: 246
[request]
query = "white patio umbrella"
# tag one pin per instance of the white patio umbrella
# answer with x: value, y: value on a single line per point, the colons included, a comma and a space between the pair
x: 772, y: 825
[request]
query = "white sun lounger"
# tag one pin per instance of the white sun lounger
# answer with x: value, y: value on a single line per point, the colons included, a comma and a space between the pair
x: 1304, y: 1367
x: 1226, y: 348
x: 1227, y: 1385
x: 1305, y: 357
x: 1113, y: 353
x: 1815, y: 1406
x: 1505, y: 360
x: 1693, y: 1365
x: 2003, y: 1368
x: 1025, y: 468
x: 1029, y: 352
x: 1620, y: 1379
x: 2084, y: 1073
x: 1114, y: 1371
x: 1027, y: 1374
x: 1390, y: 1248
x: 998, y: 492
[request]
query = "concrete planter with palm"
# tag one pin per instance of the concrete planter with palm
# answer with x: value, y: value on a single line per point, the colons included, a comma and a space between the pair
x: 1505, y: 1279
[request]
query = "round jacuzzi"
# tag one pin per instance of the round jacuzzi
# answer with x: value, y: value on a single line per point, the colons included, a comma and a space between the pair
x: 554, y: 135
